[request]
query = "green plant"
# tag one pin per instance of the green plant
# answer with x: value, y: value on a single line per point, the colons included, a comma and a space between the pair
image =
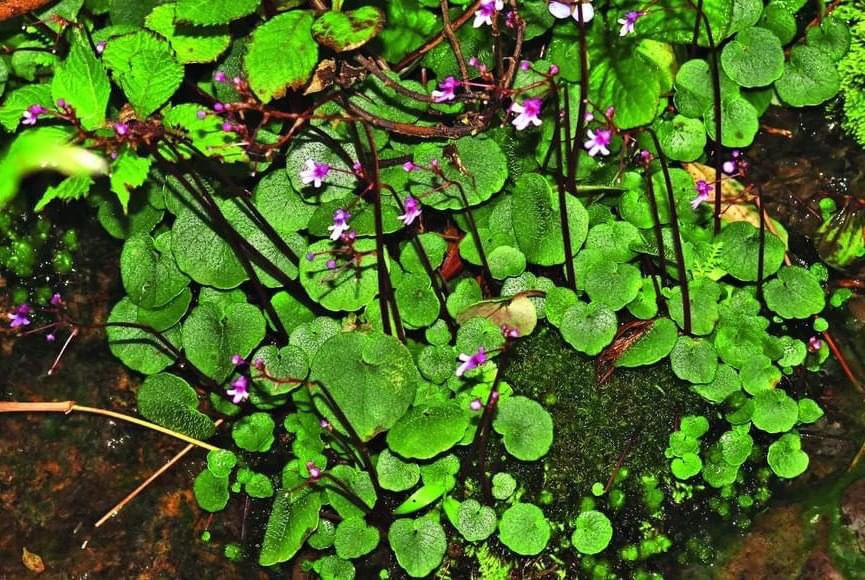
x: 332, y: 247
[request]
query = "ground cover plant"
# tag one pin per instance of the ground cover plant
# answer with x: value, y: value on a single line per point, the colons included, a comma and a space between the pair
x: 343, y: 221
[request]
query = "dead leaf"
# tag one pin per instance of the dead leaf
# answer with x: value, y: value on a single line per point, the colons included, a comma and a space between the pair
x: 32, y: 562
x: 517, y: 312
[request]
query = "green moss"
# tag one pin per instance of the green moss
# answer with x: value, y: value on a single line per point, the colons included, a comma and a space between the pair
x: 630, y: 416
x: 852, y: 70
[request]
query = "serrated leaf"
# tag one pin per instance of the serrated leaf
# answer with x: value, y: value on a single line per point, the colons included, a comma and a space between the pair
x: 128, y: 172
x: 67, y: 190
x: 145, y: 68
x: 349, y: 30
x: 271, y: 76
x: 214, y: 11
x: 192, y: 44
x: 82, y: 81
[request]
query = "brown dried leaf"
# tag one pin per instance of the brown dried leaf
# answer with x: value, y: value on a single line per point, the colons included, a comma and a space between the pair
x: 32, y: 562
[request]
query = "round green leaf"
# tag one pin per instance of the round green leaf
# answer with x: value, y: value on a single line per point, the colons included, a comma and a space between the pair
x: 210, y: 338
x: 588, y: 327
x: 476, y: 164
x: 524, y: 529
x: 290, y: 33
x: 426, y: 431
x: 526, y: 428
x: 394, y: 474
x: 809, y: 411
x: 418, y: 304
x: 832, y: 36
x: 686, y: 466
x: 150, y: 277
x: 774, y: 411
x: 211, y: 492
x: 334, y: 568
x: 739, y: 121
x: 537, y: 222
x: 726, y: 383
x: 504, y: 485
x: 809, y: 78
x: 795, y: 293
x: 419, y: 545
x: 475, y: 522
x: 349, y: 286
x: 203, y: 254
x: 759, y: 374
x: 786, y: 457
x: 349, y: 30
x: 740, y: 251
x: 703, y: 298
x: 652, y: 346
x: 254, y: 432
x: 682, y: 138
x: 192, y: 44
x: 717, y: 472
x: 754, y: 58
x: 694, y: 360
x: 592, y: 533
x: 371, y: 377
x: 138, y: 349
x: 506, y: 262
x: 778, y: 18
x: 280, y: 204
x: 354, y: 538
x: 283, y: 365
x: 169, y: 401
x: 736, y: 446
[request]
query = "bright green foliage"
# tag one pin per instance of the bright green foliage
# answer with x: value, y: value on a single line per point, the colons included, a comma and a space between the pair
x: 786, y: 457
x: 419, y: 545
x: 150, y: 277
x: 694, y: 360
x: 289, y: 33
x: 211, y: 337
x: 211, y: 492
x: 427, y: 431
x: 145, y: 68
x: 348, y: 30
x: 809, y: 78
x: 754, y: 58
x: 192, y: 44
x: 208, y: 12
x: 795, y: 293
x: 504, y: 485
x: 592, y: 532
x: 395, y: 474
x: 474, y: 521
x: 354, y: 538
x: 254, y: 432
x: 524, y: 529
x: 526, y: 428
x: 371, y: 377
x: 294, y: 516
x: 83, y: 83
x: 168, y: 400
x: 682, y: 138
x: 588, y: 327
x: 775, y: 411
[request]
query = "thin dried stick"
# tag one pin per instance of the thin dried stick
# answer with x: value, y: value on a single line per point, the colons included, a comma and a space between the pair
x: 135, y: 492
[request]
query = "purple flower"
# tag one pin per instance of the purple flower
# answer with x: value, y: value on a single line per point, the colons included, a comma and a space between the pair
x: 447, y: 86
x: 50, y: 337
x: 31, y: 115
x: 357, y: 167
x: 645, y: 156
x: 527, y: 113
x: 554, y: 70
x: 324, y: 424
x: 201, y: 114
x: 61, y: 103
x: 314, y: 172
x: 563, y: 10
x: 412, y: 210
x: 56, y: 299
x: 340, y: 223
x: 237, y: 360
x: 240, y: 392
x: 476, y: 405
x: 331, y: 264
x: 227, y: 127
x: 258, y: 363
x: 219, y: 76
x: 310, y: 256
x: 472, y: 361
x: 121, y: 129
x: 19, y: 316
x: 475, y: 62
x: 814, y: 344
x: 525, y: 65
x: 409, y: 166
x: 219, y: 107
x: 703, y: 189
x: 728, y: 167
x: 484, y: 14
x: 314, y: 472
x: 598, y: 141
x: 100, y: 47
x: 628, y: 22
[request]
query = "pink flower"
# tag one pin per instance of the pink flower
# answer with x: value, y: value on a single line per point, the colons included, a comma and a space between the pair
x: 527, y: 113
x: 314, y: 172
x: 814, y: 344
x: 237, y: 360
x: 340, y: 224
x: 447, y: 86
x: 100, y: 47
x: 409, y: 166
x: 484, y: 14
x: 314, y: 472
x: 19, y: 316
x: 412, y: 210
x: 240, y: 390
x: 472, y: 361
x: 31, y: 115
x: 525, y: 65
x: 219, y: 76
x: 121, y: 129
x: 628, y: 22
x: 56, y: 299
x: 510, y: 331
x: 563, y: 10
x: 476, y: 405
x: 324, y: 424
x: 598, y: 141
x: 703, y: 189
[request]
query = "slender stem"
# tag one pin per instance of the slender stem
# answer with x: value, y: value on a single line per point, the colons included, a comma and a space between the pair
x: 656, y: 226
x: 677, y: 238
x: 476, y: 236
x: 563, y: 202
x: 454, y: 42
x: 574, y: 147
x: 409, y: 59
x: 70, y: 406
x: 761, y: 255
x: 482, y: 433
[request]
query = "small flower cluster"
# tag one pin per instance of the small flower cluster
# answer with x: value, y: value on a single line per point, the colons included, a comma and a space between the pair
x: 484, y: 13
x: 239, y: 391
x: 703, y: 188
